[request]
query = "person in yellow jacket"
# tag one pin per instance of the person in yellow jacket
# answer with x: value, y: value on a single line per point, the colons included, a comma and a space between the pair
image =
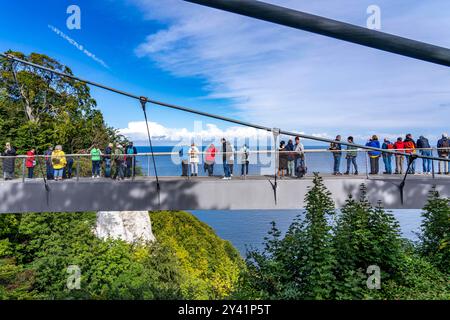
x: 59, y: 162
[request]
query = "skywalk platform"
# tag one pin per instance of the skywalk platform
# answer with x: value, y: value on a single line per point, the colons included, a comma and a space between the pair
x: 207, y: 193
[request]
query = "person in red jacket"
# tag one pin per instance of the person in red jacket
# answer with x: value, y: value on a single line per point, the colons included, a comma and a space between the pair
x: 410, y: 149
x: 30, y: 163
x: 399, y: 145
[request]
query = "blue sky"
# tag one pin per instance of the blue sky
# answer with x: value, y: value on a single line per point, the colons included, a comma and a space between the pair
x: 239, y: 67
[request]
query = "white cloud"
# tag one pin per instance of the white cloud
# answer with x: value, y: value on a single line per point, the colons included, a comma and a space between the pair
x: 292, y: 79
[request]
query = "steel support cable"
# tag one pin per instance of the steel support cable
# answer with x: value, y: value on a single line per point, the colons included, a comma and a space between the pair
x: 47, y: 188
x: 214, y: 116
x: 333, y: 29
x: 144, y: 101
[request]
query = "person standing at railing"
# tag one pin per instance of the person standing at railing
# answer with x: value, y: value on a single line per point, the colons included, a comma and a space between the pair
x: 410, y: 149
x: 425, y: 150
x: 210, y: 159
x: 282, y: 159
x: 131, y: 152
x: 184, y: 156
x: 351, y: 155
x: 399, y: 146
x: 69, y: 168
x: 227, y: 153
x: 119, y: 162
x: 9, y: 163
x: 290, y: 158
x: 387, y: 157
x: 48, y: 163
x: 300, y: 167
x: 335, y: 148
x: 443, y: 146
x: 374, y: 155
x: 107, y: 158
x: 59, y: 162
x: 244, y: 154
x: 96, y: 157
x: 194, y: 159
x: 30, y: 162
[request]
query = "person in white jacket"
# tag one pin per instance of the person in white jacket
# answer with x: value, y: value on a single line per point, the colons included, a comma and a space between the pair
x: 194, y: 159
x: 299, y: 150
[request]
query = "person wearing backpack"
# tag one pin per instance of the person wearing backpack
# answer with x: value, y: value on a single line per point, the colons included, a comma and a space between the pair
x: 244, y: 153
x: 410, y: 149
x: 351, y: 155
x: 107, y: 158
x: 443, y: 146
x: 335, y: 148
x: 300, y: 166
x: 374, y: 155
x: 387, y: 157
x: 119, y: 162
x: 130, y: 151
x: 399, y: 146
x: 425, y: 150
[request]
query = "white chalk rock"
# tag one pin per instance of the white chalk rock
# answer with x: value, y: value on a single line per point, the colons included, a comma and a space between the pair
x: 130, y: 226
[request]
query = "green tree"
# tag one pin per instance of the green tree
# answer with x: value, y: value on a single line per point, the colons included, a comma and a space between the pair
x: 436, y: 231
x: 300, y: 265
x: 39, y: 108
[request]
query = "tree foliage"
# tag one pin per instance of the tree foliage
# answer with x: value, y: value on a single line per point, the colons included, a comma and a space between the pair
x: 315, y: 260
x: 41, y: 109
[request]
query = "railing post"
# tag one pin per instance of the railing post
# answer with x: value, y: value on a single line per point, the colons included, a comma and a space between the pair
x: 78, y: 169
x: 133, y: 162
x: 23, y: 169
x: 367, y: 164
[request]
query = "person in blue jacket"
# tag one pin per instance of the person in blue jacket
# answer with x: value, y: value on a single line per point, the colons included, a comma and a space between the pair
x: 374, y: 155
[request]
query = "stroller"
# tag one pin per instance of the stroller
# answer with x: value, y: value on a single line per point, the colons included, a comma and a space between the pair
x: 301, y: 169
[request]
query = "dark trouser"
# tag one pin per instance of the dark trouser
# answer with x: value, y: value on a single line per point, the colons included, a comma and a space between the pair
x: 426, y: 163
x: 68, y: 171
x: 30, y: 172
x: 130, y: 167
x: 388, y: 164
x: 412, y: 168
x: 210, y: 168
x: 118, y: 170
x: 351, y: 160
x: 244, y: 167
x: 107, y: 167
x: 374, y: 165
x: 184, y: 168
x: 337, y: 163
x: 50, y: 172
x: 95, y: 167
x: 226, y: 169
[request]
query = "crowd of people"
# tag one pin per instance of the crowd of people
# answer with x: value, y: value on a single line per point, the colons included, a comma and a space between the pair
x: 116, y: 160
x: 406, y: 147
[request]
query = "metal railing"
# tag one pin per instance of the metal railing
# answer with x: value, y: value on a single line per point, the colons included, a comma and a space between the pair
x: 260, y: 162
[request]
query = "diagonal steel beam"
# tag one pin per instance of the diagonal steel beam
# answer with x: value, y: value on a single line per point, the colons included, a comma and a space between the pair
x: 334, y: 29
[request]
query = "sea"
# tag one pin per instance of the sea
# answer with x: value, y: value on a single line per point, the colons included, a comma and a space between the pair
x: 246, y: 229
